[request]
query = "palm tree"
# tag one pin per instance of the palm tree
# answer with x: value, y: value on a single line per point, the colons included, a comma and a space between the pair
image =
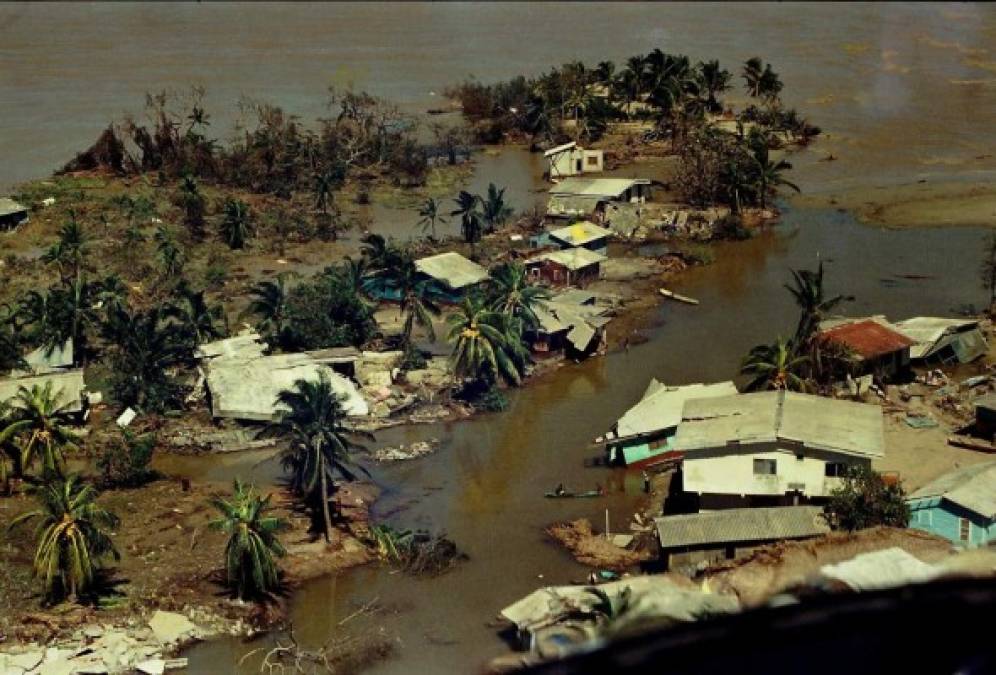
x: 171, y: 258
x: 201, y: 321
x: 192, y: 202
x: 511, y: 293
x: 481, y: 347
x: 324, y: 183
x: 148, y: 346
x: 252, y: 541
x: 236, y: 226
x: 775, y: 366
x: 419, y: 300
x: 811, y: 299
x: 268, y: 301
x: 714, y: 80
x: 379, y: 252
x: 10, y: 340
x: 753, y: 68
x: 73, y: 536
x: 494, y: 210
x: 470, y: 216
x: 429, y: 216
x: 69, y: 251
x: 35, y: 424
x: 770, y: 175
x: 319, y: 444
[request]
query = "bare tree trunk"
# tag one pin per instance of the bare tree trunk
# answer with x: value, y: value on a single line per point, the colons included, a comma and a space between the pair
x: 326, y: 516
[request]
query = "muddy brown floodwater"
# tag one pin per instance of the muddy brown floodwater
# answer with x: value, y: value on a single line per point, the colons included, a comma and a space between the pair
x: 905, y: 92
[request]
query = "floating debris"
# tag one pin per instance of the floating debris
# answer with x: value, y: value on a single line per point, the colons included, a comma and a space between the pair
x: 403, y: 453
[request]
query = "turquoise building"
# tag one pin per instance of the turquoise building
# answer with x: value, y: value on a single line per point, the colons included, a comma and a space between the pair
x: 959, y: 506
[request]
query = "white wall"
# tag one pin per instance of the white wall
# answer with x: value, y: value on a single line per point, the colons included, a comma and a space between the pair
x: 733, y: 474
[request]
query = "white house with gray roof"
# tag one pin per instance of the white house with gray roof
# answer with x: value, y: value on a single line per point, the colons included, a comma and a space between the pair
x: 774, y: 446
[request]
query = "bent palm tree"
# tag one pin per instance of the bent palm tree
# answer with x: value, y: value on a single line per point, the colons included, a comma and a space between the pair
x: 811, y: 299
x: 429, y: 216
x: 250, y: 569
x: 236, y: 225
x: 35, y: 425
x: 775, y: 366
x: 494, y: 210
x: 468, y: 208
x: 770, y: 175
x: 73, y: 536
x: 319, y: 444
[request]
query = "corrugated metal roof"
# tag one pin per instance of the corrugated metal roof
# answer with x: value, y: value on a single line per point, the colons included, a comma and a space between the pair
x: 930, y: 334
x: 559, y: 149
x: 765, y: 417
x: 572, y: 258
x: 574, y: 296
x: 68, y: 384
x: 580, y: 233
x: 8, y: 207
x: 971, y: 487
x: 452, y: 269
x: 580, y: 320
x: 661, y: 406
x: 740, y: 525
x: 596, y: 187
x: 868, y: 338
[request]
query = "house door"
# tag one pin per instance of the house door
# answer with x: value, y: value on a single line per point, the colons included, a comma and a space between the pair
x: 579, y: 167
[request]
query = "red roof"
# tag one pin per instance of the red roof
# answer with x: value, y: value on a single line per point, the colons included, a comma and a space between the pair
x: 868, y: 339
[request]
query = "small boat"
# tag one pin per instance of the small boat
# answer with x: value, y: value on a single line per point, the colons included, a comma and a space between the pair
x: 574, y: 495
x: 680, y: 298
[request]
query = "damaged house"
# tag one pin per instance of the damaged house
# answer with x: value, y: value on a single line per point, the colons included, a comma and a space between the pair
x: 586, y: 197
x: 570, y: 159
x: 457, y: 275
x: 773, y: 448
x: 644, y: 435
x: 243, y: 382
x: 567, y: 267
x: 879, y: 347
x: 68, y: 384
x: 583, y: 234
x: 569, y: 324
x: 944, y: 341
x: 691, y: 538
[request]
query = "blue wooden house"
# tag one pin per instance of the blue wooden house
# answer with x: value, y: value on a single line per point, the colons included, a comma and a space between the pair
x: 959, y: 506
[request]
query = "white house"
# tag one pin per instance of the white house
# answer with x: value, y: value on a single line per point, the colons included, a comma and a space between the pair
x: 772, y: 448
x: 570, y: 159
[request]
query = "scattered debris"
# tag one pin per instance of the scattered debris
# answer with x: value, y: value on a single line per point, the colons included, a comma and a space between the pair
x: 593, y: 549
x: 416, y: 552
x: 405, y: 452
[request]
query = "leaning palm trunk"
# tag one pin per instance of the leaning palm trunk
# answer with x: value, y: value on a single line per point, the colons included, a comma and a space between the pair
x: 326, y: 515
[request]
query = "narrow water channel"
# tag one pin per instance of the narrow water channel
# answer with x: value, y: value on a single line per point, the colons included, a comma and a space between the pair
x: 484, y: 486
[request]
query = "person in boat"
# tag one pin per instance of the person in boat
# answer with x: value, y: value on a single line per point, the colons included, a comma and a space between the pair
x: 560, y: 491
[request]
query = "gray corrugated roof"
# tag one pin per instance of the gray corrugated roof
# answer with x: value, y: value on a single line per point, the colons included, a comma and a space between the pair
x: 816, y: 422
x: 741, y: 525
x: 596, y: 187
x: 971, y: 487
x: 453, y: 269
x: 661, y: 406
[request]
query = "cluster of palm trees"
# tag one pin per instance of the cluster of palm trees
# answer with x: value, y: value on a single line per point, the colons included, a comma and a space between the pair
x: 802, y: 362
x: 479, y: 214
x: 577, y: 100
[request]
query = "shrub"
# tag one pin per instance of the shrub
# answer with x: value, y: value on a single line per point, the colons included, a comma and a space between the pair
x: 864, y: 500
x: 125, y: 461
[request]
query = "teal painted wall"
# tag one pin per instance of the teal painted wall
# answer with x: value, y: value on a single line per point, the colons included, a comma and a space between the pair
x: 941, y: 517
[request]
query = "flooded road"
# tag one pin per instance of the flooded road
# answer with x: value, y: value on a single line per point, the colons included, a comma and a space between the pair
x: 904, y: 92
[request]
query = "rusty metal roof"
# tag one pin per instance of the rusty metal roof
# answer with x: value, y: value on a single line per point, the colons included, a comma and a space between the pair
x: 869, y: 339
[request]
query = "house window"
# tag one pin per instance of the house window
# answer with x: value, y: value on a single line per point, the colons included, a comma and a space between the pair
x: 765, y: 467
x: 835, y: 469
x: 965, y: 529
x: 593, y: 160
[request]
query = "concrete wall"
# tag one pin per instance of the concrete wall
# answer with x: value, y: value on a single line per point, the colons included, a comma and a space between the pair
x: 576, y: 162
x: 940, y: 517
x: 726, y: 471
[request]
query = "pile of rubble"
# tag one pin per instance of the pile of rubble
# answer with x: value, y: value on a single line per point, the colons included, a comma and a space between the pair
x: 405, y: 452
x: 111, y: 649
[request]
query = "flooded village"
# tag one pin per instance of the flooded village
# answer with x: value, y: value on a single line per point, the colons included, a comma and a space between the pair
x: 510, y: 368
